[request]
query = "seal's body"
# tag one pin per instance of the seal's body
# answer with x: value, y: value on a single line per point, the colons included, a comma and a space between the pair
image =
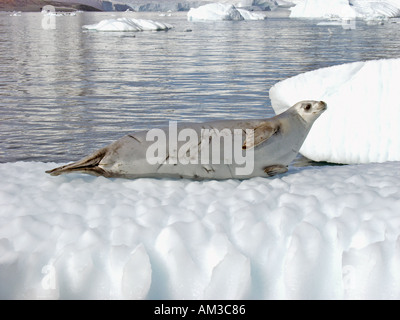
x: 214, y: 150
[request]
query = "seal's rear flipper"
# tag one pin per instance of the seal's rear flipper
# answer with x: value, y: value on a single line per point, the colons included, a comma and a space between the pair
x: 88, y: 164
x: 275, y: 169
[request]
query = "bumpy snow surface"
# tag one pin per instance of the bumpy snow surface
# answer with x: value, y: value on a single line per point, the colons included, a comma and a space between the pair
x: 326, y: 232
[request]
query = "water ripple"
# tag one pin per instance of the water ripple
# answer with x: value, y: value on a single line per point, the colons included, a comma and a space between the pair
x: 65, y: 92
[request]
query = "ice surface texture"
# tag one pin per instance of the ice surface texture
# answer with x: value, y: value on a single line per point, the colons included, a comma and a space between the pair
x: 317, y: 233
x: 361, y: 124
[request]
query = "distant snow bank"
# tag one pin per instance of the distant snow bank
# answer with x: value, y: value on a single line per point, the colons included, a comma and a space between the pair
x: 128, y: 24
x: 313, y: 233
x: 361, y: 124
x: 221, y: 11
x: 366, y: 9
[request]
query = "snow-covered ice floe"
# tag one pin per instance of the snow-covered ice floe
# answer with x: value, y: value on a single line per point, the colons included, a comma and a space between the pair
x: 222, y: 11
x: 322, y: 9
x: 328, y: 232
x: 361, y: 124
x: 128, y: 24
x: 365, y: 9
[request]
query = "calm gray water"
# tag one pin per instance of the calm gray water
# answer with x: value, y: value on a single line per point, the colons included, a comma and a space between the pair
x: 66, y: 92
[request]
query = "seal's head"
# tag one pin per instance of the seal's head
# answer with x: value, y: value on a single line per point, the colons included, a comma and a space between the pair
x: 310, y: 110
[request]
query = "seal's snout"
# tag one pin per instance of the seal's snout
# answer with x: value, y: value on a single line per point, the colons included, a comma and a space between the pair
x: 323, y: 105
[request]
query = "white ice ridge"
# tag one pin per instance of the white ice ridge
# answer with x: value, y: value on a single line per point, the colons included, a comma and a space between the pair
x: 365, y: 9
x: 330, y: 232
x: 128, y: 24
x: 361, y: 124
x: 221, y: 11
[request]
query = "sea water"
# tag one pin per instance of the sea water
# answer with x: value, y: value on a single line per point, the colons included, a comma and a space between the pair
x: 65, y: 92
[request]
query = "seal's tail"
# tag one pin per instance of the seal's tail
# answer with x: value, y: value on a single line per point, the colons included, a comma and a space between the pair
x: 88, y: 164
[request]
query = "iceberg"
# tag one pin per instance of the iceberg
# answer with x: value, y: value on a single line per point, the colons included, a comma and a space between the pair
x: 323, y: 9
x: 128, y: 24
x: 364, y: 9
x: 221, y: 11
x: 214, y: 11
x: 376, y: 9
x: 361, y: 124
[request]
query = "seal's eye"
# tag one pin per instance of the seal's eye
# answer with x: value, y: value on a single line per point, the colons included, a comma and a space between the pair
x: 307, y: 106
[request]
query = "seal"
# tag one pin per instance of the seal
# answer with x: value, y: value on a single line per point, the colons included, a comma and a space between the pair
x: 212, y: 150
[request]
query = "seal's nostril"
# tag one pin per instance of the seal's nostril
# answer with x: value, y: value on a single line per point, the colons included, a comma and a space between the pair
x: 323, y: 103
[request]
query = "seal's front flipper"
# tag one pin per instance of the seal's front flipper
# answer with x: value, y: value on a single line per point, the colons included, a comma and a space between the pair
x: 260, y: 134
x: 88, y: 164
x: 275, y: 169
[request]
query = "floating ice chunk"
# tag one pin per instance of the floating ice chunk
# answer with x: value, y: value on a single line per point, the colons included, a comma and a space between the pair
x: 334, y: 22
x: 15, y: 14
x: 377, y: 9
x: 127, y: 24
x: 214, y: 11
x: 221, y: 11
x: 322, y: 9
x: 361, y: 124
x: 346, y: 9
